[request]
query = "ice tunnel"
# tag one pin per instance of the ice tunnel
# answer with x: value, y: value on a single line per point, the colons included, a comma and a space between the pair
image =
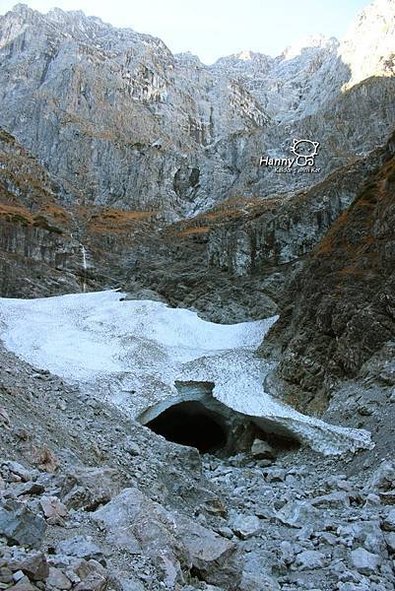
x: 197, y: 419
x: 191, y: 423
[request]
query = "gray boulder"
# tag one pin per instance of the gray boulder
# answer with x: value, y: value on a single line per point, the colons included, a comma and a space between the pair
x: 389, y: 521
x: 261, y: 450
x: 173, y: 542
x: 246, y: 526
x: 20, y: 525
x: 297, y: 513
x: 365, y: 562
x: 310, y: 560
x: 80, y: 547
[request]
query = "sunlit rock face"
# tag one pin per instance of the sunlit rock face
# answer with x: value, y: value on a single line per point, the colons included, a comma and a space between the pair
x: 368, y: 48
x: 124, y: 123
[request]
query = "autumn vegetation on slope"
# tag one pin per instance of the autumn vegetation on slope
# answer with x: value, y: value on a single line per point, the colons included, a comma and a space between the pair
x: 339, y: 311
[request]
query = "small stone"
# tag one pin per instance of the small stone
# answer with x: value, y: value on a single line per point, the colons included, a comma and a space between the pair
x: 18, y: 575
x: 372, y: 500
x: 6, y: 575
x: 215, y: 507
x: 264, y: 463
x: 131, y: 447
x: 287, y: 552
x: 297, y: 513
x: 389, y: 521
x: 23, y: 585
x: 365, y: 410
x: 310, y: 560
x: 89, y: 488
x: 19, y: 470
x: 366, y: 534
x: 18, y: 524
x: 45, y: 459
x: 246, y: 526
x: 80, y: 547
x: 276, y: 475
x: 390, y: 541
x: 261, y: 450
x: 34, y: 565
x: 93, y: 582
x: 57, y: 579
x: 257, y: 581
x: 28, y: 488
x: 365, y: 562
x: 53, y: 507
x: 384, y: 477
x: 4, y: 418
x: 21, y: 434
x: 225, y: 532
x: 328, y: 538
x: 343, y: 485
x: 81, y: 570
x: 333, y: 500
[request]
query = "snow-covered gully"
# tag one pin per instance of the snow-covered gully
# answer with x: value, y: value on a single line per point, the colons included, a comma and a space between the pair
x: 138, y: 354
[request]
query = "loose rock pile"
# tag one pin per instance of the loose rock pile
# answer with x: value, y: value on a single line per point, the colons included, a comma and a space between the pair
x: 29, y: 503
x: 92, y: 501
x: 301, y: 524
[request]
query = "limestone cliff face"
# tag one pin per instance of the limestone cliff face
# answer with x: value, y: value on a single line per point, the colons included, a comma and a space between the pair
x: 123, y: 123
x: 238, y: 260
x: 284, y: 230
x: 38, y: 255
x: 112, y: 112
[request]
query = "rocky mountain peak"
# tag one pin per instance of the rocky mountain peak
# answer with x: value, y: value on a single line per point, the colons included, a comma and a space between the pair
x: 23, y: 10
x: 368, y: 48
x: 98, y: 98
x: 309, y: 42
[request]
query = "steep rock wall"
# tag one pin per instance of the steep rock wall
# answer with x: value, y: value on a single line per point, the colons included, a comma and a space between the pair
x: 339, y: 311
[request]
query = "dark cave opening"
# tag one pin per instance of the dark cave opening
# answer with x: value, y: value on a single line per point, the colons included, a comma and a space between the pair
x: 191, y: 423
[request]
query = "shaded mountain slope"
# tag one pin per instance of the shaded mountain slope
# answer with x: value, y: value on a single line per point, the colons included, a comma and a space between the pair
x: 36, y: 243
x: 42, y: 235
x: 236, y: 260
x: 339, y: 311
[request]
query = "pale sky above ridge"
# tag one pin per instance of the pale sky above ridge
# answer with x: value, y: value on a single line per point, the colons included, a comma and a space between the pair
x: 215, y: 28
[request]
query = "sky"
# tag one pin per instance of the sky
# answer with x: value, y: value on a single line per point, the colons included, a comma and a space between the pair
x: 215, y: 28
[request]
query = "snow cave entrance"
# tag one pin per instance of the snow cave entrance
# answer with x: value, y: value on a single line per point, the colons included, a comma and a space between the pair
x: 191, y: 423
x: 196, y: 419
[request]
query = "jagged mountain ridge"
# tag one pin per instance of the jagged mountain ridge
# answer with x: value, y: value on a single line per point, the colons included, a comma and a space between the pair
x: 123, y: 122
